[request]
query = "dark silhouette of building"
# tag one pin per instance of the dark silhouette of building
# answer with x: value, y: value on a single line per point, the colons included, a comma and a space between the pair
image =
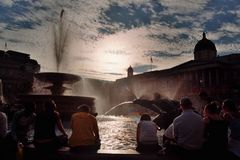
x: 218, y: 76
x: 16, y: 73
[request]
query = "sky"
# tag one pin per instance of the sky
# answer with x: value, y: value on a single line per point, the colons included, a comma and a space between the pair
x: 102, y: 38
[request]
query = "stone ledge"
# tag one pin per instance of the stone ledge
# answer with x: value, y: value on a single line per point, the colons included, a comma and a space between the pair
x: 30, y: 154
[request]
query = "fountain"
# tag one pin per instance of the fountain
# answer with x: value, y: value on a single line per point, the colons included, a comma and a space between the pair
x: 66, y: 104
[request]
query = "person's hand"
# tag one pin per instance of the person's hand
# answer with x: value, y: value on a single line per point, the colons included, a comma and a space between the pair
x: 205, y: 119
x: 98, y: 141
x: 227, y: 116
x: 65, y: 135
x: 20, y: 144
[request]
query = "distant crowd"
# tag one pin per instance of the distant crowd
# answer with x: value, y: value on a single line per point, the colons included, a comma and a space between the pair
x: 212, y: 133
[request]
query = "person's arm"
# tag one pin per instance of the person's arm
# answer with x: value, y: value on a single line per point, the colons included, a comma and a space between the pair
x: 175, y: 132
x: 96, y: 132
x: 60, y: 125
x: 14, y: 125
x: 169, y: 133
x: 95, y: 129
x: 138, y: 133
x: 4, y: 125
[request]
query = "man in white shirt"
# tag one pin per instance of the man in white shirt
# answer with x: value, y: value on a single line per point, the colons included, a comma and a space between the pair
x: 188, y: 128
x: 187, y: 131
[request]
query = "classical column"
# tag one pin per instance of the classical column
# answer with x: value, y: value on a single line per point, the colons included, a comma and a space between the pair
x: 202, y: 79
x: 217, y: 77
x: 209, y: 78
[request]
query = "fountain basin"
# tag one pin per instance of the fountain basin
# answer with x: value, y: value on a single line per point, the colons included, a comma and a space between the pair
x: 66, y: 105
x: 53, y: 77
x: 57, y: 80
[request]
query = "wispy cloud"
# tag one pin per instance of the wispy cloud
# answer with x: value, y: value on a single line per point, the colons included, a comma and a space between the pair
x: 185, y: 6
x: 143, y: 68
x: 6, y: 2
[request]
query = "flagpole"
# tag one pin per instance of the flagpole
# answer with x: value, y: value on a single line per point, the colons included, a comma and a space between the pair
x: 151, y: 66
x: 151, y: 62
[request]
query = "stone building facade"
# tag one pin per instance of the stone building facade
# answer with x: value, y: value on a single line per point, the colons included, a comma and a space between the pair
x: 218, y: 76
x: 16, y: 74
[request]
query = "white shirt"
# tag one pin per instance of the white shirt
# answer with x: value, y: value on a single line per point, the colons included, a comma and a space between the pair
x: 188, y: 130
x: 147, y: 132
x: 169, y: 132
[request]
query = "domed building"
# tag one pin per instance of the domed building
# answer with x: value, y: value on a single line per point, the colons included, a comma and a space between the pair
x: 218, y: 76
x: 205, y: 49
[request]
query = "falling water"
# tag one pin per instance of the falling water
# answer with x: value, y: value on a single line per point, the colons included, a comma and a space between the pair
x: 127, y: 102
x: 61, y: 37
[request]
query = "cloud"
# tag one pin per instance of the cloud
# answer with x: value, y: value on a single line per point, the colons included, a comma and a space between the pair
x: 185, y: 6
x: 114, y: 18
x: 143, y: 68
x: 161, y: 54
x: 126, y: 15
x: 230, y: 27
x: 6, y: 2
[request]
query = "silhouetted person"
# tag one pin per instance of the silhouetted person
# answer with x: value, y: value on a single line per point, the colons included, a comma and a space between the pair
x: 3, y: 130
x: 188, y: 130
x: 85, y: 132
x: 3, y: 123
x: 232, y: 115
x: 22, y: 124
x: 147, y: 139
x: 205, y: 99
x: 216, y: 132
x: 45, y: 138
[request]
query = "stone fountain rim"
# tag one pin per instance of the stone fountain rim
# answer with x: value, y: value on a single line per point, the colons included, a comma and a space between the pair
x: 57, y: 76
x: 40, y: 97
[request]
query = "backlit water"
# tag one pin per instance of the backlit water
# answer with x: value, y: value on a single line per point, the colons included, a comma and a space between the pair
x: 118, y: 132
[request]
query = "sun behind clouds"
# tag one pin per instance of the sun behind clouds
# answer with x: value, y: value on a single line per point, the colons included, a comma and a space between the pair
x: 112, y: 54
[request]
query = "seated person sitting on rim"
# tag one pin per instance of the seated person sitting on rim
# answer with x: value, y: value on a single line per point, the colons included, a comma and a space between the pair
x: 21, y: 126
x: 85, y: 133
x: 187, y: 130
x: 45, y: 138
x: 147, y: 139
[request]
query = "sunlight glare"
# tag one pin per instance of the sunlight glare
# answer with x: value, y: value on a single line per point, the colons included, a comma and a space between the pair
x: 112, y: 55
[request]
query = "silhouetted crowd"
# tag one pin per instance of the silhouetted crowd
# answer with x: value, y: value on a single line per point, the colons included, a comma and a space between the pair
x: 212, y: 133
x: 85, y: 133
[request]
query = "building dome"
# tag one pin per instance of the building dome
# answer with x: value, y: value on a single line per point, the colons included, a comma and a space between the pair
x: 204, y: 44
x: 205, y: 49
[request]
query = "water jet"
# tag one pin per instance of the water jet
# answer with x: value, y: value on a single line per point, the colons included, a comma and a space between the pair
x: 66, y: 104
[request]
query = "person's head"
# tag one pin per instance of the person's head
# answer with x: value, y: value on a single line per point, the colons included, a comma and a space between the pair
x: 211, y: 109
x: 228, y: 105
x: 157, y: 96
x: 29, y: 107
x: 186, y: 103
x: 50, y: 106
x: 145, y: 117
x: 203, y: 95
x: 83, y: 108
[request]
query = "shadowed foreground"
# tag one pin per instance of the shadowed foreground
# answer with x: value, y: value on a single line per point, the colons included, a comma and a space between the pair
x: 31, y: 154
